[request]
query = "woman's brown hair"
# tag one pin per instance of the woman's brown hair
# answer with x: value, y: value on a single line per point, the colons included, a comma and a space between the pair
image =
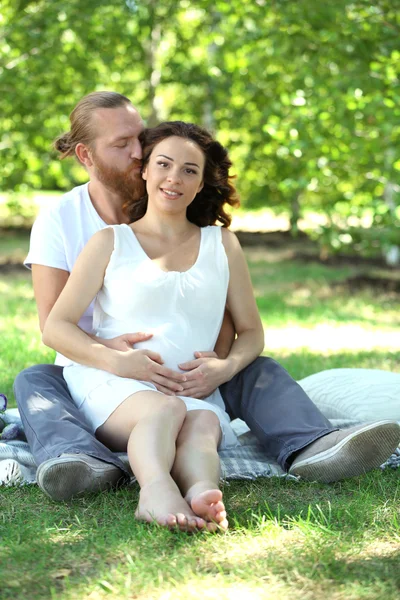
x: 207, y: 208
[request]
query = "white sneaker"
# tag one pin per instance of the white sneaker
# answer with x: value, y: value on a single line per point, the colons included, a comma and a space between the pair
x: 67, y: 475
x: 347, y: 452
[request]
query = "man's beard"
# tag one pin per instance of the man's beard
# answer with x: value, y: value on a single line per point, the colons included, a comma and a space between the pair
x: 128, y: 184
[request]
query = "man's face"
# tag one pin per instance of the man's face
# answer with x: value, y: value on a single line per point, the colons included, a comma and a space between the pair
x: 116, y: 152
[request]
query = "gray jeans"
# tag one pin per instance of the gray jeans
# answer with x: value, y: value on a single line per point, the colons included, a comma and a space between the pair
x: 274, y: 406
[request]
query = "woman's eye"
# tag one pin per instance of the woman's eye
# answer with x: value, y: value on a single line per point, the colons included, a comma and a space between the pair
x: 162, y: 164
x: 122, y: 145
x: 191, y: 171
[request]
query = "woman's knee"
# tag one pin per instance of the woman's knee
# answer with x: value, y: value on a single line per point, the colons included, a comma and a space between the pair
x: 200, y: 424
x: 172, y: 406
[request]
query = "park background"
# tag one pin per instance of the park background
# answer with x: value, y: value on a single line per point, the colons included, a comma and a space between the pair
x: 306, y: 97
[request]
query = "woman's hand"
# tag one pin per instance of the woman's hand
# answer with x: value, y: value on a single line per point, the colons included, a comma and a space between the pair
x: 204, y: 374
x: 146, y: 365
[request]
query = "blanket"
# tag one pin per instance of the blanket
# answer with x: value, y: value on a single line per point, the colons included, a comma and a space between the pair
x: 246, y: 461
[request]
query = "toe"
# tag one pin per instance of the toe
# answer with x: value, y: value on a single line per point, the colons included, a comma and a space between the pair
x: 191, y: 524
x: 218, y: 507
x: 200, y: 523
x: 221, y: 516
x: 170, y: 521
x: 182, y: 521
x: 212, y: 527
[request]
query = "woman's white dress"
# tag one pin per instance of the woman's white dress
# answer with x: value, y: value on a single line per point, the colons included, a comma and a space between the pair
x: 183, y: 311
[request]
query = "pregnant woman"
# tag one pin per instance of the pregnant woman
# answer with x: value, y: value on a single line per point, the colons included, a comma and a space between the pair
x: 171, y: 273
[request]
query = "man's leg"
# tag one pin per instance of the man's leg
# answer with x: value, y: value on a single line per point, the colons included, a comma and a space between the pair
x: 276, y: 408
x: 294, y: 432
x: 70, y: 458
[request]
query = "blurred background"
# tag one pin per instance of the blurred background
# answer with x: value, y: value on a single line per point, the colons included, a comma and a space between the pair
x: 304, y: 94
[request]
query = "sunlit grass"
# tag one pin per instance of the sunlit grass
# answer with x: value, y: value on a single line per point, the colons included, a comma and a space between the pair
x: 287, y: 539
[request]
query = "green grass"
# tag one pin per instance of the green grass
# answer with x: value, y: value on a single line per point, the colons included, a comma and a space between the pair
x: 287, y: 539
x: 13, y: 246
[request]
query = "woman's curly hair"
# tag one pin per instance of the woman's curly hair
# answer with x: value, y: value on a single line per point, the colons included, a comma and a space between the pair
x: 207, y: 208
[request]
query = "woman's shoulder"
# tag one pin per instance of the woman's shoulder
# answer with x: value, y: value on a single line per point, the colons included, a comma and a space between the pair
x: 102, y: 240
x: 229, y: 239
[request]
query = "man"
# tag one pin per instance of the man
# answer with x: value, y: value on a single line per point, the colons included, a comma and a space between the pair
x: 104, y: 137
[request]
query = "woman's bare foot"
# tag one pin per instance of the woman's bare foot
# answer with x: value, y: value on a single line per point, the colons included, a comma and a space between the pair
x: 206, y: 502
x: 161, y: 501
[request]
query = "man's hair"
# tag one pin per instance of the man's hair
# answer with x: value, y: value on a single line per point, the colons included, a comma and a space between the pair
x: 82, y: 130
x: 208, y: 206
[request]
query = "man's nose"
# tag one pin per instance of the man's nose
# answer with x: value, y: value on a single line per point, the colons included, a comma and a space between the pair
x: 136, y: 150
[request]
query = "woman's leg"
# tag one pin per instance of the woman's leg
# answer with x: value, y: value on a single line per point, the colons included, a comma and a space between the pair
x: 146, y: 425
x: 196, y: 469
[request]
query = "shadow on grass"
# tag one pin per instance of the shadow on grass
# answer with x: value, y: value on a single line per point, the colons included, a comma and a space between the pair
x: 57, y: 550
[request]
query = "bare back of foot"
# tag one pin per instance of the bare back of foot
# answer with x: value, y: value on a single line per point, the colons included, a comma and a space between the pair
x: 162, y: 502
x: 207, y: 503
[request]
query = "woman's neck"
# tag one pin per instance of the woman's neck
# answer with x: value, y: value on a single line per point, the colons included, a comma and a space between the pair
x: 164, y: 225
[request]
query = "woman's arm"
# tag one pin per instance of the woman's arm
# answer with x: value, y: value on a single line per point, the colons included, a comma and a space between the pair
x: 242, y: 306
x: 206, y: 374
x: 60, y: 327
x: 62, y: 333
x: 48, y: 283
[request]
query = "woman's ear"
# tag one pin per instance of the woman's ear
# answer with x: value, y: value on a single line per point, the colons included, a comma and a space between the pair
x: 144, y: 174
x: 200, y: 187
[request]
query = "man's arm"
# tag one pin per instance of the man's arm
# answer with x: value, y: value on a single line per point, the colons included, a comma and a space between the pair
x: 226, y: 337
x: 48, y: 284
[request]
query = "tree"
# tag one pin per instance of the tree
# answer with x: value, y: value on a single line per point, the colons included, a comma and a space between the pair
x: 305, y: 97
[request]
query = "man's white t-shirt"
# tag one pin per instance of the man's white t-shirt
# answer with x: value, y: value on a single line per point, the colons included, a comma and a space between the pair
x: 59, y: 234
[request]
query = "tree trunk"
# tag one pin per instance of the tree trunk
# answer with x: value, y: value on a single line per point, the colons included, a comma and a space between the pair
x: 295, y: 213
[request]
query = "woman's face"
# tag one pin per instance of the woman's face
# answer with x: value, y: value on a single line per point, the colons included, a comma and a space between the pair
x: 174, y: 174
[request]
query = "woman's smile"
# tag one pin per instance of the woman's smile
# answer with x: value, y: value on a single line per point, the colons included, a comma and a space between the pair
x: 171, y: 193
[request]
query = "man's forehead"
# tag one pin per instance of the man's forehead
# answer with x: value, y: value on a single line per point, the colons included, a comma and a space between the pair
x: 123, y: 121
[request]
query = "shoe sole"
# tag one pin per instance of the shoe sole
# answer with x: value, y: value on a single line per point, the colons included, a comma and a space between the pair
x: 64, y: 477
x: 365, y: 449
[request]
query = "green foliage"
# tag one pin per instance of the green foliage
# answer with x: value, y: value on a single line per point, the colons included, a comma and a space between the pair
x: 305, y: 95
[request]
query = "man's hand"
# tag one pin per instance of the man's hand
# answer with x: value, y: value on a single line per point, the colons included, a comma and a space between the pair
x: 146, y: 365
x: 204, y: 375
x: 124, y: 342
x: 143, y: 365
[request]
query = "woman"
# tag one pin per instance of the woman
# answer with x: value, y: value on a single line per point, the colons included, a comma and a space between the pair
x: 171, y: 271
